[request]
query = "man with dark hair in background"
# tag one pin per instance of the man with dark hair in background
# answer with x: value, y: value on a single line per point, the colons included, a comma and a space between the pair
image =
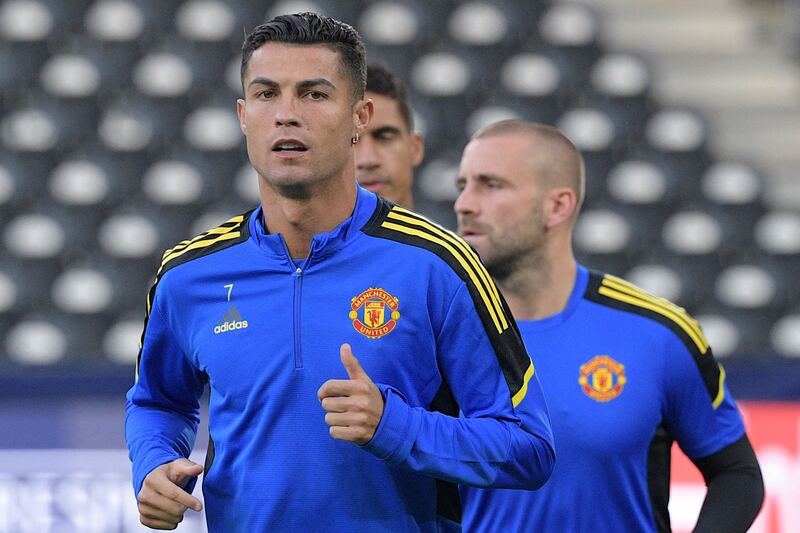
x: 269, y: 309
x: 625, y: 373
x: 390, y: 149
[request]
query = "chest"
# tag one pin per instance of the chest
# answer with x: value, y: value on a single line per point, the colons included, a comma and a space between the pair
x: 271, y: 331
x: 604, y: 392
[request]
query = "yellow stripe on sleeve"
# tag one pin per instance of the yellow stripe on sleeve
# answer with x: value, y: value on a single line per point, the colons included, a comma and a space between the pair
x: 721, y: 392
x: 523, y: 390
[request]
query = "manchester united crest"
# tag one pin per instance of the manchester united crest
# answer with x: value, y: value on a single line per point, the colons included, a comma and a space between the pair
x: 602, y: 379
x: 370, y: 310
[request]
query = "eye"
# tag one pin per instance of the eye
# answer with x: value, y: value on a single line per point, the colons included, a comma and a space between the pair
x: 460, y: 184
x: 266, y: 94
x: 386, y: 135
x: 316, y: 95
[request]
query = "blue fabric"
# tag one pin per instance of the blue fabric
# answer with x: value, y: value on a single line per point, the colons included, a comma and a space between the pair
x: 600, y: 482
x: 276, y: 468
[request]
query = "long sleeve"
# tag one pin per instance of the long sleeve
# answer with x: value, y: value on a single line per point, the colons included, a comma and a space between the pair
x: 502, y: 437
x: 162, y: 410
x: 735, y: 489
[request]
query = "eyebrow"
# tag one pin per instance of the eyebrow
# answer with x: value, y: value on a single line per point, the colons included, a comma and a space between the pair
x: 385, y: 129
x: 305, y: 84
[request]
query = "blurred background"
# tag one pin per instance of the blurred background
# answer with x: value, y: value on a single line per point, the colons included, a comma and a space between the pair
x: 119, y: 138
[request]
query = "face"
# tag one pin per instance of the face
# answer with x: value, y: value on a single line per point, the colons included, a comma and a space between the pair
x: 500, y: 208
x: 388, y: 152
x: 298, y: 116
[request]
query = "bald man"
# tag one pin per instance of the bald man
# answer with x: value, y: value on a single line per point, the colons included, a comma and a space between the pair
x: 625, y: 373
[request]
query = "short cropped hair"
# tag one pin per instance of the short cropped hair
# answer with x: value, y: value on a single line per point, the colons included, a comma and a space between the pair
x: 311, y: 28
x: 571, y: 168
x: 381, y: 80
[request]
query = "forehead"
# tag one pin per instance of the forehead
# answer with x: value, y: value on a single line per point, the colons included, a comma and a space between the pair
x: 386, y: 112
x: 506, y: 156
x: 287, y: 63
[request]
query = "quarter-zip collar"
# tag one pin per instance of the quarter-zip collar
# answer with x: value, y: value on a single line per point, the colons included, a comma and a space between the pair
x: 322, y: 244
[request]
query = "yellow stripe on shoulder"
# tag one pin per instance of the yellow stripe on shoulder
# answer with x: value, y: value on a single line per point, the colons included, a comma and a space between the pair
x: 403, y: 215
x: 624, y: 291
x: 523, y: 390
x: 470, y: 272
x: 230, y: 229
x: 222, y: 228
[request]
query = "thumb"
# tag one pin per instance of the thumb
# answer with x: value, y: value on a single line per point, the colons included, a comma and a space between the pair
x: 351, y: 364
x: 183, y: 469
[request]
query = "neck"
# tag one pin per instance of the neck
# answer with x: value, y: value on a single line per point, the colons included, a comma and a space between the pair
x: 540, y: 287
x: 299, y: 219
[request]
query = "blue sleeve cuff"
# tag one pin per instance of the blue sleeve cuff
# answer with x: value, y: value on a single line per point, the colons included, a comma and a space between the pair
x: 393, y: 438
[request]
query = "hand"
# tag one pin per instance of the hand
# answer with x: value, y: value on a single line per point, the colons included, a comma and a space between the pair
x: 354, y: 406
x: 162, y: 500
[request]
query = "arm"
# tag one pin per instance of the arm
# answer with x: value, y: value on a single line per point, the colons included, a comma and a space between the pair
x: 503, y: 436
x: 707, y: 425
x: 735, y: 489
x: 162, y: 410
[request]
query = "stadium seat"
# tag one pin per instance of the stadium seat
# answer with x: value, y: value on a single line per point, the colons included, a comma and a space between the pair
x: 35, y: 341
x: 82, y: 291
x: 747, y: 286
x: 785, y: 335
x: 121, y: 341
x: 593, y: 132
x: 659, y: 280
x: 604, y: 239
x: 620, y: 84
x: 574, y: 30
x: 723, y: 334
x: 536, y: 81
x: 679, y: 138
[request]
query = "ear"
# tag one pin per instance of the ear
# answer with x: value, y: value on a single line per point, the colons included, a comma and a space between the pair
x: 559, y: 207
x: 417, y: 148
x: 240, y: 108
x: 363, y: 114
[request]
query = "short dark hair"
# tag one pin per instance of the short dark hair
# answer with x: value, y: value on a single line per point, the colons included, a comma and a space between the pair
x: 311, y: 28
x: 381, y: 80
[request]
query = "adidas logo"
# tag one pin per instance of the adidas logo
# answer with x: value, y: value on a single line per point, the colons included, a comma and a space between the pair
x: 231, y: 321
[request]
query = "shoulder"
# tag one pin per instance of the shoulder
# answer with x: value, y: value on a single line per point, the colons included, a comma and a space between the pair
x: 446, y: 251
x: 621, y: 295
x: 231, y: 232
x: 411, y: 232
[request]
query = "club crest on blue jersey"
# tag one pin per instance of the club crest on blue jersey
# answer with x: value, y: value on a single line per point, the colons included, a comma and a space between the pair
x: 369, y: 312
x: 602, y: 378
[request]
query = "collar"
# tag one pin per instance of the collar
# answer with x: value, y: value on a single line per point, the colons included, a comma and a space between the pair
x: 575, y: 297
x: 322, y: 244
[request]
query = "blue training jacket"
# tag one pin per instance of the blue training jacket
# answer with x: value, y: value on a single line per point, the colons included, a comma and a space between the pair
x: 626, y: 374
x: 230, y: 309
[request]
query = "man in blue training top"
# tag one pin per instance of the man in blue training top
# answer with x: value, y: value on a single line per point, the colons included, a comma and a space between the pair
x: 269, y: 308
x: 625, y: 373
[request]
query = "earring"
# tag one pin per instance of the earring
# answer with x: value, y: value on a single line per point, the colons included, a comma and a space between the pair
x: 354, y: 140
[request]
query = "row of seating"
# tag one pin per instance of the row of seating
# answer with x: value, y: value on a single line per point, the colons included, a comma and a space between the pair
x: 118, y: 138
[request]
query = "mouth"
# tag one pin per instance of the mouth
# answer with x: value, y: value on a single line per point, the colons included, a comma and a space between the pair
x: 467, y: 232
x: 372, y: 186
x: 289, y: 147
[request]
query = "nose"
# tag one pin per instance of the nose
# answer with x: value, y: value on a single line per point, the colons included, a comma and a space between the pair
x: 466, y: 203
x: 286, y: 113
x: 366, y: 155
